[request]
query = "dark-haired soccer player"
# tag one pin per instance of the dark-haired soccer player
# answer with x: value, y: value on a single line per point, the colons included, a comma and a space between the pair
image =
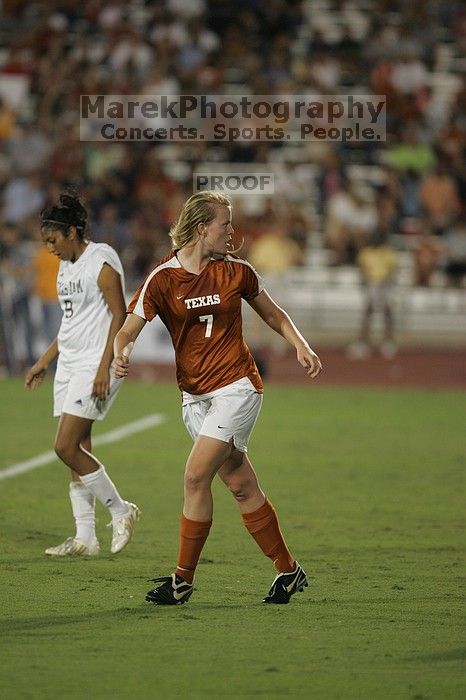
x: 91, y: 294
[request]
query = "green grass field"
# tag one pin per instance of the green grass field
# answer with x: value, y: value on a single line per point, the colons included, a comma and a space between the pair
x: 369, y: 487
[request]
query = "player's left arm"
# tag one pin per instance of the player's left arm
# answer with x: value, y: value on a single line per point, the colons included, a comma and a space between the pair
x: 275, y: 317
x: 109, y: 282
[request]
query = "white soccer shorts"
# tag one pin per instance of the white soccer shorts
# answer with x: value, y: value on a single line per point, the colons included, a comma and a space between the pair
x: 227, y: 414
x: 72, y: 393
x: 379, y: 295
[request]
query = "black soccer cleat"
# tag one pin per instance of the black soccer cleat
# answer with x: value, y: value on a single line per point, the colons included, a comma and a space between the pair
x: 284, y: 585
x: 173, y: 591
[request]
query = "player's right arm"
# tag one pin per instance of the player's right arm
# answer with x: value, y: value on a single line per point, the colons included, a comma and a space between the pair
x: 36, y: 374
x: 123, y: 343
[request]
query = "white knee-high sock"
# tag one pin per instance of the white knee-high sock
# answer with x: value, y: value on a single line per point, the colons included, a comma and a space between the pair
x: 103, y: 488
x: 83, y: 507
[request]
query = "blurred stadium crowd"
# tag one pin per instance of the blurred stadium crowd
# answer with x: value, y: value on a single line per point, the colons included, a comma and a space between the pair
x: 332, y: 198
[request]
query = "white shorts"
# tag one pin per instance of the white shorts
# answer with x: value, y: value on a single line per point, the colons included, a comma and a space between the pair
x: 227, y: 414
x: 72, y: 393
x: 379, y: 295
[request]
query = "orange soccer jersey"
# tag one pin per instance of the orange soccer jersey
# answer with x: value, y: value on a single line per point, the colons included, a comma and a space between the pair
x: 203, y: 316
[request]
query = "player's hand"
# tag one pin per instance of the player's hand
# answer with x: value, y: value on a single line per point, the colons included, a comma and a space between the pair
x: 35, y: 376
x: 308, y: 359
x: 101, y: 385
x: 120, y: 366
x: 120, y: 363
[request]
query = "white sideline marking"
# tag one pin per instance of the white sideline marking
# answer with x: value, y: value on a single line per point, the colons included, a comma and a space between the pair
x: 112, y: 436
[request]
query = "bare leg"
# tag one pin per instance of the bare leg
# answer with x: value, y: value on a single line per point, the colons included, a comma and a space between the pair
x: 388, y: 318
x: 366, y: 323
x: 73, y: 433
x: 87, y: 444
x: 339, y: 240
x: 237, y: 473
x: 83, y: 508
x: 206, y: 457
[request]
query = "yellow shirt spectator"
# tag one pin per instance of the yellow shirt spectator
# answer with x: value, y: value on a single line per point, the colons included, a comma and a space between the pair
x: 274, y: 253
x: 46, y: 269
x: 378, y: 263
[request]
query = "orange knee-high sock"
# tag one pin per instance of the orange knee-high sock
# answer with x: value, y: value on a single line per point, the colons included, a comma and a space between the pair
x: 193, y: 535
x: 263, y: 525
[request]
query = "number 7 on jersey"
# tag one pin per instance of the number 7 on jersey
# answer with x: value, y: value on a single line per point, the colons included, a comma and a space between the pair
x: 209, y: 319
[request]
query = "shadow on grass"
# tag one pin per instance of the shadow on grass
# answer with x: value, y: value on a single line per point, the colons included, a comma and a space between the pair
x: 13, y: 625
x: 448, y: 655
x: 17, y: 625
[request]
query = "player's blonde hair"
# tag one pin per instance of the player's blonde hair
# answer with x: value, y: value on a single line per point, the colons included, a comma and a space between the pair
x: 200, y: 208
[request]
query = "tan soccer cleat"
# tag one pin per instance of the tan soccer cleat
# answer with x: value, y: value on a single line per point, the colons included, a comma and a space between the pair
x: 73, y: 548
x: 123, y: 528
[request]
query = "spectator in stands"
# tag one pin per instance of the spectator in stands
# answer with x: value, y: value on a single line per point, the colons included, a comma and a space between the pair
x: 7, y: 120
x: 427, y: 251
x: 199, y: 43
x: 160, y: 82
x: 110, y: 228
x: 22, y: 197
x: 455, y: 253
x: 299, y: 227
x: 45, y: 289
x: 326, y: 72
x: 16, y: 275
x: 409, y: 74
x: 273, y: 253
x: 331, y: 178
x: 411, y: 153
x: 439, y: 198
x: 351, y: 219
x: 387, y: 201
x: 377, y: 262
x: 29, y: 147
x: 111, y: 14
x: 410, y: 200
x: 132, y: 53
x: 147, y: 245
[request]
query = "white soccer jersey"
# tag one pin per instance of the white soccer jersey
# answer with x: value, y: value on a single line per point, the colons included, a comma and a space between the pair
x: 86, y: 317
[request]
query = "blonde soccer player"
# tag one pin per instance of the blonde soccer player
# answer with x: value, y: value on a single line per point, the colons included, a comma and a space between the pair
x: 197, y: 292
x: 90, y: 287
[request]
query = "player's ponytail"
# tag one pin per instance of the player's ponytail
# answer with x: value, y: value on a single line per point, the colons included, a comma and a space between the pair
x: 200, y: 208
x: 69, y: 212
